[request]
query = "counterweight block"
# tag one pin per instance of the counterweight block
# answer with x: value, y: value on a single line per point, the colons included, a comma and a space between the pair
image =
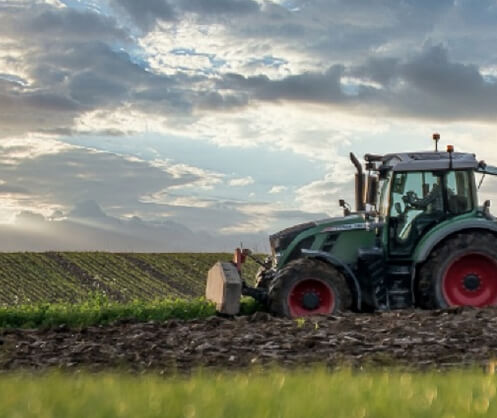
x: 224, y: 288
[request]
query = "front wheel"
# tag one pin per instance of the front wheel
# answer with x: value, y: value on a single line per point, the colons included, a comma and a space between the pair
x: 460, y: 272
x: 307, y: 287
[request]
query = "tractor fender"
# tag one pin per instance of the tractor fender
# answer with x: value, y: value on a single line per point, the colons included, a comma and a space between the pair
x: 433, y: 238
x: 340, y: 265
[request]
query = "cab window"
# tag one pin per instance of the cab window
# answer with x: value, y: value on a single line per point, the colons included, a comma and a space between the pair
x: 459, y: 193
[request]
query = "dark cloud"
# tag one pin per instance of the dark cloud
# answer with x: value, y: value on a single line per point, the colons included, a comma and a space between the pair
x: 219, y: 7
x: 145, y: 14
x: 379, y: 69
x: 214, y: 101
x: 74, y: 62
x: 78, y: 174
x: 433, y: 73
x: 37, y: 23
x: 307, y: 87
x: 7, y: 189
x: 40, y: 111
x: 90, y: 89
x: 66, y: 83
x: 437, y: 88
x: 426, y: 85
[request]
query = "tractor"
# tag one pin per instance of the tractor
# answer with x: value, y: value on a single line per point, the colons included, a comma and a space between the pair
x: 416, y: 239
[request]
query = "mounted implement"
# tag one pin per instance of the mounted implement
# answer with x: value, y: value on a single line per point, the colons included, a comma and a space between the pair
x: 416, y: 239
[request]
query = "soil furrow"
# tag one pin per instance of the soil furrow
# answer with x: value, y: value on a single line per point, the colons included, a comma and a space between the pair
x: 411, y: 339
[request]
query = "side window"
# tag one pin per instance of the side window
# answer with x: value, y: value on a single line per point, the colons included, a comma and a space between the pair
x: 459, y: 196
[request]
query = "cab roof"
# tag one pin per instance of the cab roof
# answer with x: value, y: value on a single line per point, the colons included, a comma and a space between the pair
x: 426, y: 161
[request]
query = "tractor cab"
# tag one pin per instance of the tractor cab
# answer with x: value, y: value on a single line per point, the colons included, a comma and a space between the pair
x: 418, y: 191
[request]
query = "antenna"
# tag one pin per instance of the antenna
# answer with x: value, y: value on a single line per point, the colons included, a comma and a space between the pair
x: 436, y: 138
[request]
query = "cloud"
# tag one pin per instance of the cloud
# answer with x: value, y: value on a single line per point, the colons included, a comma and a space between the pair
x: 277, y: 189
x: 264, y: 216
x: 244, y: 181
x: 60, y: 176
x: 88, y: 227
x: 308, y: 78
x: 49, y: 80
x: 34, y: 25
x: 145, y: 14
x: 312, y: 87
x: 219, y: 7
x: 319, y: 196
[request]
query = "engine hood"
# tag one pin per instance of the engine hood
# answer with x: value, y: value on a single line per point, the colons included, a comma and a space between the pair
x: 280, y: 240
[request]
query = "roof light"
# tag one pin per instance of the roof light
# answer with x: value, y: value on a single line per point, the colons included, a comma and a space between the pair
x: 436, y: 138
x: 450, y: 148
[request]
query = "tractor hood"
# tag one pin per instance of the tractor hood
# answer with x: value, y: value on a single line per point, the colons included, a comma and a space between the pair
x: 282, y: 239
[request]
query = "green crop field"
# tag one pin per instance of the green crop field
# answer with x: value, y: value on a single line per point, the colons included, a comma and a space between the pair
x: 27, y: 278
x: 252, y: 394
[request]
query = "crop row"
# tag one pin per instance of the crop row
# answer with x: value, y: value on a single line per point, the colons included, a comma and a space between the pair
x: 99, y: 310
x: 72, y: 276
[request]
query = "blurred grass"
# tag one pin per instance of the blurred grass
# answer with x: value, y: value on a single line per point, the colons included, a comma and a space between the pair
x: 276, y: 393
x: 99, y: 310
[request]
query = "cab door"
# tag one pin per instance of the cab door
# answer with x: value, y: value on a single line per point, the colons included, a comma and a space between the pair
x: 417, y: 203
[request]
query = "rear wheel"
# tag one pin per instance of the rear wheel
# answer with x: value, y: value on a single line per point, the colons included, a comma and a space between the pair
x: 308, y: 287
x: 460, y: 272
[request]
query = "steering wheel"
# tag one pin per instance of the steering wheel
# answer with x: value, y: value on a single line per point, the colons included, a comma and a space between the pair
x: 410, y: 199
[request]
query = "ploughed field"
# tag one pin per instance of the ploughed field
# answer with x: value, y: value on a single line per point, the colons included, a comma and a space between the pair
x: 411, y: 339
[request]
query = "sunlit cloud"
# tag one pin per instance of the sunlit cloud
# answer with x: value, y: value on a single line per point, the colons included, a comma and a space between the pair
x: 244, y: 181
x: 277, y: 189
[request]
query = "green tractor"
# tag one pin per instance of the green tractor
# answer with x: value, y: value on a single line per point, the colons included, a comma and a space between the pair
x: 417, y: 238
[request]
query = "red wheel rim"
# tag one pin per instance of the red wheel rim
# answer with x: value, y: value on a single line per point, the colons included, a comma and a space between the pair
x: 471, y: 280
x: 318, y: 291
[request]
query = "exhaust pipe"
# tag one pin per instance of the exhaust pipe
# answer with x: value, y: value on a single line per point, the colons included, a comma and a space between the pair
x: 359, y: 184
x: 372, y: 190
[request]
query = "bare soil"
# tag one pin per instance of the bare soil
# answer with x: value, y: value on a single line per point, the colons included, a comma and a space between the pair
x: 413, y: 339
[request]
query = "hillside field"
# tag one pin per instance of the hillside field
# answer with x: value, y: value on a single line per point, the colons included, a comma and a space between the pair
x: 72, y: 276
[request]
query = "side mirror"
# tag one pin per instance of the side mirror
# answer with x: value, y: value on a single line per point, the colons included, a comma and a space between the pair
x: 346, y: 207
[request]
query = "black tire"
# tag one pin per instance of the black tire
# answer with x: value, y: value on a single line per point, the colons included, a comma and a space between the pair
x: 451, y: 276
x: 309, y: 271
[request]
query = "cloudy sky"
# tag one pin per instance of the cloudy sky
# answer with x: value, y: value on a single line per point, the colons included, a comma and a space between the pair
x: 231, y: 117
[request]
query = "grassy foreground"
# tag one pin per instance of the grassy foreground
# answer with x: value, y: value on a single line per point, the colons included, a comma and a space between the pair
x: 274, y: 394
x: 99, y: 310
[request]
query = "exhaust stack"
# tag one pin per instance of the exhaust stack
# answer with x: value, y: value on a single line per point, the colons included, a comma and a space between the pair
x: 359, y: 184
